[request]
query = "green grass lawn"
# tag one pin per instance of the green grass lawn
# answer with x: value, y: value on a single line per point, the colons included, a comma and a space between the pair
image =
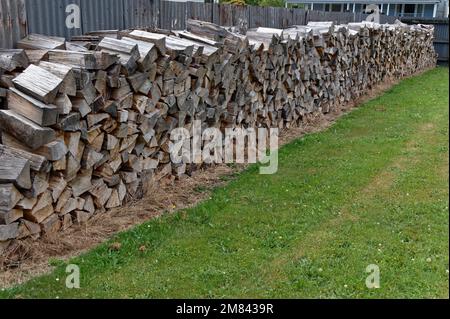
x: 372, y: 189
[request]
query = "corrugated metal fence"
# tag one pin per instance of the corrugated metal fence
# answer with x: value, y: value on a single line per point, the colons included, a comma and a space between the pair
x: 49, y: 16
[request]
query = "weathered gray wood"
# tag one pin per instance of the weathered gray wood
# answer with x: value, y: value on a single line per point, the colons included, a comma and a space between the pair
x: 13, y: 59
x: 15, y: 170
x: 85, y: 60
x: 41, y: 42
x: 24, y: 130
x: 32, y: 109
x: 38, y: 163
x: 10, y: 231
x: 36, y: 56
x: 128, y: 52
x: 10, y: 216
x: 52, y: 151
x: 111, y: 45
x: 64, y: 72
x: 158, y: 39
x: 38, y: 83
x: 9, y: 197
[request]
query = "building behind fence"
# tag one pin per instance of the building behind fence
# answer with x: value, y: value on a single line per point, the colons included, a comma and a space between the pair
x: 19, y: 17
x: 397, y: 8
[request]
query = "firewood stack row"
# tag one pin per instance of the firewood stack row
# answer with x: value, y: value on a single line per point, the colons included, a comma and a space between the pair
x: 86, y: 124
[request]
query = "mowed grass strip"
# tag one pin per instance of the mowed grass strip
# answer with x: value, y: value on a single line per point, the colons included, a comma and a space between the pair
x: 372, y: 189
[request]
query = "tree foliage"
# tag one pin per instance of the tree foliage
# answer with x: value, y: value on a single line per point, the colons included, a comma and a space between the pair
x: 262, y: 3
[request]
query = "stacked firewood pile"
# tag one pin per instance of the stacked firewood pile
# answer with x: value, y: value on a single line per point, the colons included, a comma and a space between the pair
x: 86, y: 124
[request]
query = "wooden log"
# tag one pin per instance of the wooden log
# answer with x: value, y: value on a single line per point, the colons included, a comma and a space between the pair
x: 207, y: 30
x: 57, y: 185
x: 69, y: 122
x: 34, y: 110
x: 37, y: 163
x: 36, y: 56
x: 82, y: 217
x: 148, y: 53
x: 15, y: 170
x: 12, y: 59
x: 24, y: 130
x: 100, y: 192
x: 81, y: 106
x: 128, y: 52
x: 157, y: 39
x: 64, y: 72
x: 39, y: 185
x: 83, y: 60
x: 26, y: 203
x: 63, y: 104
x: 8, y: 217
x: 10, y: 231
x: 41, y: 42
x: 29, y: 229
x: 42, y: 210
x: 39, y: 83
x: 91, y: 158
x: 51, y: 225
x: 53, y: 151
x: 9, y: 197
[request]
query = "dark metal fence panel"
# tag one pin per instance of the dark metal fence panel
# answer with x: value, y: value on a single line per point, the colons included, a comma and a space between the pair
x: 173, y: 15
x: 102, y: 15
x: 49, y: 17
x: 13, y: 22
x: 141, y: 13
x: 441, y: 40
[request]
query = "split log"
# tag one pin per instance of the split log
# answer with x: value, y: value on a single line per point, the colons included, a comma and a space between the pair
x: 41, y: 42
x: 64, y: 72
x: 9, y: 197
x: 38, y: 83
x: 24, y: 130
x: 34, y: 110
x: 37, y: 163
x: 10, y: 60
x: 10, y: 231
x: 15, y: 170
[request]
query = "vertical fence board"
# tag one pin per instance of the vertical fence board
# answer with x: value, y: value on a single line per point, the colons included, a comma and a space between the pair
x: 298, y: 17
x: 215, y: 13
x: 141, y: 13
x: 257, y: 17
x: 199, y: 11
x: 13, y: 22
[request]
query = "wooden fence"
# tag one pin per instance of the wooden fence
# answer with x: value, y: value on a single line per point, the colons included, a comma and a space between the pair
x: 49, y: 16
